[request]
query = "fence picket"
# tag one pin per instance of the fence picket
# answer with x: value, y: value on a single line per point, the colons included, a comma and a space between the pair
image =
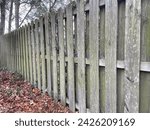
x: 62, y: 57
x: 30, y: 53
x: 94, y: 55
x: 110, y: 55
x: 71, y: 86
x: 54, y: 53
x: 33, y: 52
x: 38, y: 54
x: 81, y: 55
x: 132, y: 55
x: 42, y: 54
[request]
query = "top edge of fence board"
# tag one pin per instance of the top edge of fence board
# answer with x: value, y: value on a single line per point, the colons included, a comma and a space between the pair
x: 87, y: 7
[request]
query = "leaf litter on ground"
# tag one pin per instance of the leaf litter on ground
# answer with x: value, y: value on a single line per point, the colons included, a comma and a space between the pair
x: 18, y: 96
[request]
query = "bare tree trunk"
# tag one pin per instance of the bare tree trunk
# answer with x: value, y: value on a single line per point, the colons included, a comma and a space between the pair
x: 17, y: 6
x: 10, y: 15
x: 2, y: 24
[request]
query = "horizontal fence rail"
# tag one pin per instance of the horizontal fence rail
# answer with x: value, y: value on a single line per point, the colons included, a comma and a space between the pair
x: 93, y: 56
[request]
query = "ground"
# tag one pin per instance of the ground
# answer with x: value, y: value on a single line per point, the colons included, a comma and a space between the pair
x: 18, y: 95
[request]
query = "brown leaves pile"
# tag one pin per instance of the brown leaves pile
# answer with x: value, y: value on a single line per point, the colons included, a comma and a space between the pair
x: 18, y: 95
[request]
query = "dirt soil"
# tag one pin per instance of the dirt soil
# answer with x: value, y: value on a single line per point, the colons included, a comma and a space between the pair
x: 18, y: 95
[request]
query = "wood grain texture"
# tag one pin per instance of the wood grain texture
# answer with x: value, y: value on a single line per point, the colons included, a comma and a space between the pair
x: 27, y: 53
x: 37, y: 40
x: 81, y: 55
x: 47, y: 40
x: 33, y: 52
x: 132, y: 55
x: 62, y: 57
x: 94, y: 55
x: 42, y: 49
x: 30, y: 53
x: 54, y: 53
x: 110, y: 54
x: 71, y: 81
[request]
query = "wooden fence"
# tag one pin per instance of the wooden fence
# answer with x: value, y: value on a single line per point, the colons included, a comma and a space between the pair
x: 93, y: 56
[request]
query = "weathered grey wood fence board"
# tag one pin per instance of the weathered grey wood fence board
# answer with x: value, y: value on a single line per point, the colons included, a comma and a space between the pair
x: 24, y: 54
x: 71, y: 81
x: 38, y: 53
x: 21, y: 58
x: 33, y: 52
x: 132, y: 55
x: 27, y: 53
x: 47, y: 35
x: 81, y: 55
x: 54, y: 53
x: 19, y: 66
x: 30, y: 53
x: 94, y: 55
x: 62, y: 57
x: 110, y: 54
x: 42, y: 54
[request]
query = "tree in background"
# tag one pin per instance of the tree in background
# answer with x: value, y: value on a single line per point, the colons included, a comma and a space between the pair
x: 10, y: 15
x: 2, y: 16
x: 17, y: 12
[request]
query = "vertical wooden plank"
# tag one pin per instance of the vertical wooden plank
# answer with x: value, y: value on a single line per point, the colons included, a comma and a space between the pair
x: 14, y: 46
x: 132, y: 54
x: 47, y: 34
x: 145, y: 57
x: 27, y: 53
x: 62, y: 57
x: 81, y: 55
x: 54, y: 52
x: 12, y: 51
x: 24, y: 50
x: 111, y: 55
x: 71, y: 81
x: 94, y: 55
x: 25, y: 63
x: 42, y: 54
x: 16, y: 49
x: 19, y: 50
x: 38, y: 53
x: 33, y: 52
x: 22, y: 58
x: 30, y: 53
